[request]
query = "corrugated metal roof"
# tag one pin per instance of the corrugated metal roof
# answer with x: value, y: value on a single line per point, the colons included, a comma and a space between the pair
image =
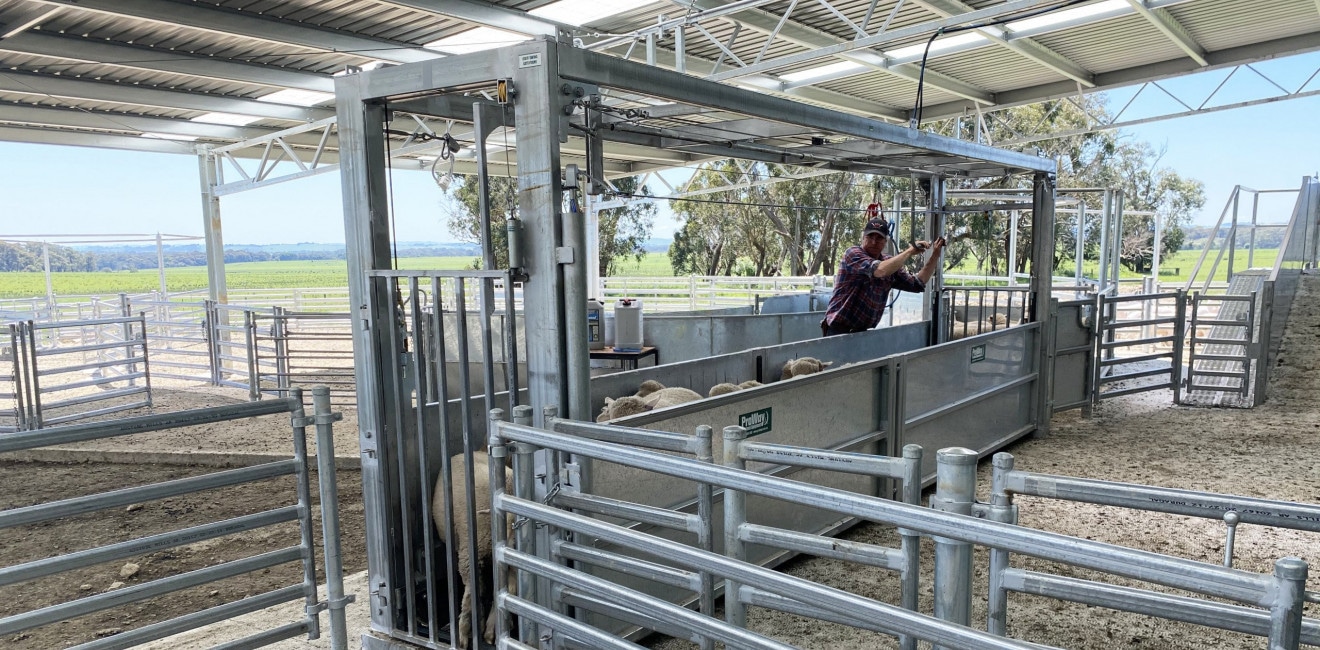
x: 174, y: 60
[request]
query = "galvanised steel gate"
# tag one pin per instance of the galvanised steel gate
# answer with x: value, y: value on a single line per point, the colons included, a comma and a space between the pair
x: 1138, y: 337
x: 1222, y: 344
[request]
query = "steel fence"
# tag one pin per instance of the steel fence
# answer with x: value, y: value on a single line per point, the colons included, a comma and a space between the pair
x: 1273, y: 603
x: 75, y: 370
x: 299, y: 510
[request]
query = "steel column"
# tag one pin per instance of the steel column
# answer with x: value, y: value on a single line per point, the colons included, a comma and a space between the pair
x: 209, y: 173
x: 955, y: 492
x: 1042, y: 277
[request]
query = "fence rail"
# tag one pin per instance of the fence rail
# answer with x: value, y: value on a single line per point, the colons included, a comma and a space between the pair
x: 299, y: 510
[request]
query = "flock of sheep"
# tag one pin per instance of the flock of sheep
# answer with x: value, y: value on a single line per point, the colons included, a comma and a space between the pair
x: 963, y: 329
x: 652, y: 395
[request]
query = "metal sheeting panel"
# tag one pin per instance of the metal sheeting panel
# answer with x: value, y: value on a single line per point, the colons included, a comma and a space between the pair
x: 1222, y: 24
x: 949, y: 393
x: 1134, y: 42
x: 1073, y: 356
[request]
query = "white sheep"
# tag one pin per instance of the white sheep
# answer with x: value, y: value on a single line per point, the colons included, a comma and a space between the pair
x: 622, y: 407
x: 673, y: 396
x: 723, y: 389
x: 750, y: 383
x: 803, y: 366
x: 485, y: 554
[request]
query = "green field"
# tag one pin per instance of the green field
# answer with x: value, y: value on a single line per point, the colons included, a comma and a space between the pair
x: 332, y: 273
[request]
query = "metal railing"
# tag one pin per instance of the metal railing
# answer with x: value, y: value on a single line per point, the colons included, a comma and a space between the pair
x: 299, y: 510
x: 1276, y: 599
x: 100, y: 368
x: 1276, y: 623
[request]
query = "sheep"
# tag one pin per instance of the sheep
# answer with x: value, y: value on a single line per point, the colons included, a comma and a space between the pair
x: 750, y: 383
x: 666, y: 397
x: 485, y: 554
x: 803, y: 366
x: 622, y: 407
x: 723, y: 389
x: 649, y: 386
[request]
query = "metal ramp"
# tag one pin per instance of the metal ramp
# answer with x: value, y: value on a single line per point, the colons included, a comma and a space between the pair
x: 1222, y: 343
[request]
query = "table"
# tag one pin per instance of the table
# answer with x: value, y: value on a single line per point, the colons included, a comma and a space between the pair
x: 628, y: 360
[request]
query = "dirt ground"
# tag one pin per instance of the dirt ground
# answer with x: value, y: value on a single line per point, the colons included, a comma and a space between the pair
x: 1266, y: 452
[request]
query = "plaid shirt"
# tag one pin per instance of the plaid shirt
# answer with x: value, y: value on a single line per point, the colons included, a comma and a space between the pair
x: 860, y: 298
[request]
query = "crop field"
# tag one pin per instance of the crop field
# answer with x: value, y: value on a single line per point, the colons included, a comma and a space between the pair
x: 333, y: 273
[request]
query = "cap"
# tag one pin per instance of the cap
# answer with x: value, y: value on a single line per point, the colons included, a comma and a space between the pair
x: 876, y: 224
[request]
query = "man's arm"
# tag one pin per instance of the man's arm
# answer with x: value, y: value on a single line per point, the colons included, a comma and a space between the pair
x: 932, y: 261
x: 895, y: 264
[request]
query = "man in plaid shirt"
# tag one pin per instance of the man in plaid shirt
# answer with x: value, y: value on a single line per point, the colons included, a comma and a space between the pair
x: 866, y: 275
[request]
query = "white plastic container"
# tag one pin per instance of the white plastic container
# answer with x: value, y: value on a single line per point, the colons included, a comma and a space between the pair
x: 595, y: 324
x: 628, y: 325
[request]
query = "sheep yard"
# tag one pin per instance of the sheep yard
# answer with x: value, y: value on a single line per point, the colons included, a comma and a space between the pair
x: 1266, y: 452
x: 45, y: 475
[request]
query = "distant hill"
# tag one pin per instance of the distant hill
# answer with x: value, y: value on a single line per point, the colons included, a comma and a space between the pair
x: 657, y: 245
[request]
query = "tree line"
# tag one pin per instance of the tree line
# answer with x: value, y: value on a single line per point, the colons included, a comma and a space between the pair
x: 27, y: 256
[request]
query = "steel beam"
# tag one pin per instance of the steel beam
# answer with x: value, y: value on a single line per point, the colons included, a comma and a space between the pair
x: 1226, y: 58
x: 22, y: 18
x: 1024, y: 46
x: 68, y: 117
x: 1172, y: 29
x: 487, y: 14
x: 96, y: 140
x: 635, y: 77
x: 793, y: 31
x: 46, y: 86
x: 74, y: 48
x: 252, y: 25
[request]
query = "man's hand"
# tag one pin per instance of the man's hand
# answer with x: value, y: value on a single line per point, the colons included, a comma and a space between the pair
x: 920, y: 246
x: 937, y: 246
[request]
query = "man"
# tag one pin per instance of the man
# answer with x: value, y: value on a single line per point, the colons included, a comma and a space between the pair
x: 866, y: 275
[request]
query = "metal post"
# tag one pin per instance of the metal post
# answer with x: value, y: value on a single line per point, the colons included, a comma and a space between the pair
x: 50, y: 290
x: 250, y: 337
x: 330, y: 532
x: 1106, y: 219
x: 209, y: 173
x: 1251, y: 246
x: 593, y: 248
x: 934, y: 228
x: 1081, y: 240
x: 524, y: 483
x: 573, y: 267
x: 1041, y: 304
x: 125, y: 311
x: 955, y: 492
x: 1286, y: 611
x: 1179, y: 340
x: 910, y: 577
x: 1159, y: 249
x: 1012, y: 249
x: 299, y: 422
x: 680, y: 49
x: 735, y: 515
x: 499, y: 536
x: 160, y: 265
x: 706, y: 531
x: 1117, y: 240
x: 537, y: 114
x: 1001, y: 510
x: 1232, y: 236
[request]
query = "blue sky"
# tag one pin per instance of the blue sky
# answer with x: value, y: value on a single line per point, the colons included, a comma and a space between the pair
x: 77, y: 190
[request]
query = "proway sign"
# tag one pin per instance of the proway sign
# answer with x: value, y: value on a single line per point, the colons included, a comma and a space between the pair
x: 756, y: 422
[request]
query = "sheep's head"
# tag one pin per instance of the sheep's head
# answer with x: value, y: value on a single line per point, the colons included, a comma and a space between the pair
x: 649, y: 386
x: 625, y: 406
x: 808, y: 365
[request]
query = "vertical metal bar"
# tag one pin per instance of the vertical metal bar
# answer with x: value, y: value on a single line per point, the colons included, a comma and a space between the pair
x: 1001, y: 510
x: 1265, y: 336
x: 160, y: 265
x: 1159, y: 249
x: 1232, y: 236
x: 125, y: 312
x: 1248, y: 330
x: 35, y: 382
x: 706, y: 531
x: 499, y: 535
x: 577, y: 348
x: 735, y: 515
x: 1106, y: 225
x: 396, y: 381
x: 444, y: 482
x: 955, y: 491
x: 1179, y: 340
x: 469, y: 430
x: 1286, y: 610
x: 1251, y: 246
x: 1012, y: 250
x: 146, y: 362
x: 420, y: 382
x: 524, y: 485
x: 1042, y: 305
x: 250, y: 336
x: 510, y: 342
x: 298, y: 420
x: 283, y: 362
x: 19, y: 352
x: 1117, y: 240
x: 45, y: 265
x: 1191, y: 346
x: 910, y: 576
x: 680, y: 49
x: 209, y: 175
x: 1081, y: 240
x: 330, y: 530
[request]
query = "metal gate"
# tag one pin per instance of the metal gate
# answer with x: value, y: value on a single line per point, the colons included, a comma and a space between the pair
x: 1138, y: 337
x: 1222, y: 340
